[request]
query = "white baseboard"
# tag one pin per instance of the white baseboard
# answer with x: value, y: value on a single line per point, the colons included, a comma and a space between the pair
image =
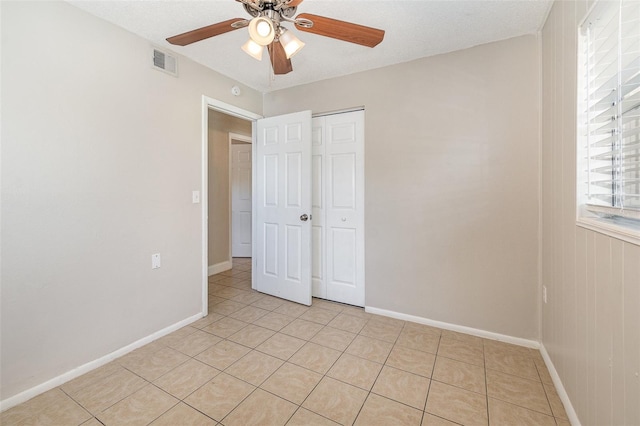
x: 220, y: 267
x: 562, y: 393
x: 453, y: 327
x: 85, y: 368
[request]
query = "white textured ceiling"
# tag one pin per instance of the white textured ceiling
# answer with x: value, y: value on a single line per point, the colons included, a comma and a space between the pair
x: 414, y: 29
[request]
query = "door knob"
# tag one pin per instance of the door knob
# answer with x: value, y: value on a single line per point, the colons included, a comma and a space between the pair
x: 304, y: 217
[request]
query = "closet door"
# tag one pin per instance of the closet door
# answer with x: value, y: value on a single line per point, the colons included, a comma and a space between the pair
x: 339, y: 202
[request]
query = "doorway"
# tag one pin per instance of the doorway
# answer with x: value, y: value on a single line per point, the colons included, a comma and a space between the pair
x: 221, y: 180
x: 216, y: 189
x: 342, y: 269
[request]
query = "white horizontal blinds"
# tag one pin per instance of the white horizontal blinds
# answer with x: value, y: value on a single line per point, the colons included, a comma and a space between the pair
x: 630, y: 104
x: 601, y: 30
x: 612, y: 43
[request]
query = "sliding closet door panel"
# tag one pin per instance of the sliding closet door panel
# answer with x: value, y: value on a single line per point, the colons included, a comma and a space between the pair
x: 344, y: 207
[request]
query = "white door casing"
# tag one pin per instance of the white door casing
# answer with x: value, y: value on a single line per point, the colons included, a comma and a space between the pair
x: 240, y: 199
x: 338, y: 207
x: 214, y: 104
x: 283, y: 197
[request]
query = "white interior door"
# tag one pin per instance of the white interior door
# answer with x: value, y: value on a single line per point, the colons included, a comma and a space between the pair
x: 345, y: 207
x: 241, y: 200
x: 283, y: 207
x: 338, y: 207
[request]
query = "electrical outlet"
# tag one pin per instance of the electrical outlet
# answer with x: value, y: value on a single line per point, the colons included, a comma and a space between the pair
x: 195, y: 197
x: 544, y: 293
x: 155, y: 261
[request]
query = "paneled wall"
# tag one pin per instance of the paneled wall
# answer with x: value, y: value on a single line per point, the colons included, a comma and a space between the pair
x: 591, y: 323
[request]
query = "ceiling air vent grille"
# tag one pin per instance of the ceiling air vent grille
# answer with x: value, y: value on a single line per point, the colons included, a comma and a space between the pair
x: 164, y: 62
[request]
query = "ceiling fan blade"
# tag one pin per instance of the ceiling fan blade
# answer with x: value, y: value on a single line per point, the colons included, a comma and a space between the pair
x: 341, y: 30
x: 204, y: 32
x: 279, y: 61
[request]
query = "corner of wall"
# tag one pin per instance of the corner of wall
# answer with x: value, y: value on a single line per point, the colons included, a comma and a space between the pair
x: 562, y: 393
x: 539, y: 193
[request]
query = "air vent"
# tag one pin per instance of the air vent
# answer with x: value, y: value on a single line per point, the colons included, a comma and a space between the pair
x: 164, y: 62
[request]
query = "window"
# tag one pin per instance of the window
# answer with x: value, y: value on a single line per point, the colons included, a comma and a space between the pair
x: 609, y: 118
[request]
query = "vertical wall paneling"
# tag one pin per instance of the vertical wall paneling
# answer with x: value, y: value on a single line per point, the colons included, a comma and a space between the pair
x: 591, y: 323
x: 552, y: 195
x: 580, y: 402
x: 617, y: 332
x: 603, y: 338
x: 631, y: 336
x: 557, y: 195
x: 591, y: 327
x: 568, y: 192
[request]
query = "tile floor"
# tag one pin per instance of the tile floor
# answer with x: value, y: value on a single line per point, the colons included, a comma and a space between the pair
x: 256, y: 359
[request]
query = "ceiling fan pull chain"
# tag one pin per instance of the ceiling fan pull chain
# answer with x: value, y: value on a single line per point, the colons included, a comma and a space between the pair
x: 271, y: 76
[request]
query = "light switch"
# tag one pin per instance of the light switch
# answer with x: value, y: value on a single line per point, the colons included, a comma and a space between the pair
x: 155, y: 261
x: 195, y: 197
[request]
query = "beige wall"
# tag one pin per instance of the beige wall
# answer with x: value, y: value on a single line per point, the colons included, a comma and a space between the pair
x: 591, y: 323
x: 100, y: 154
x: 451, y: 182
x: 220, y: 125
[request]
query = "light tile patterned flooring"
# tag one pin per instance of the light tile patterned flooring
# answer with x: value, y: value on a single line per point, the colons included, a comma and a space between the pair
x: 259, y: 360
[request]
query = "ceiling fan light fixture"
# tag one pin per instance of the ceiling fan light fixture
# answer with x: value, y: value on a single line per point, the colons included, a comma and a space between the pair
x: 261, y: 30
x: 253, y: 49
x: 290, y: 42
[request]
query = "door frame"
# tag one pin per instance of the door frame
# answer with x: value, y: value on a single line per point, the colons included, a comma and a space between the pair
x: 247, y: 139
x: 223, y: 107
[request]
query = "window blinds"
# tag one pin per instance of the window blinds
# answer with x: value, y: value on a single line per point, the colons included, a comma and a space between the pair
x: 611, y: 41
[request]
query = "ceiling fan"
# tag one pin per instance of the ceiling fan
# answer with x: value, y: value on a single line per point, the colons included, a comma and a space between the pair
x: 265, y: 29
